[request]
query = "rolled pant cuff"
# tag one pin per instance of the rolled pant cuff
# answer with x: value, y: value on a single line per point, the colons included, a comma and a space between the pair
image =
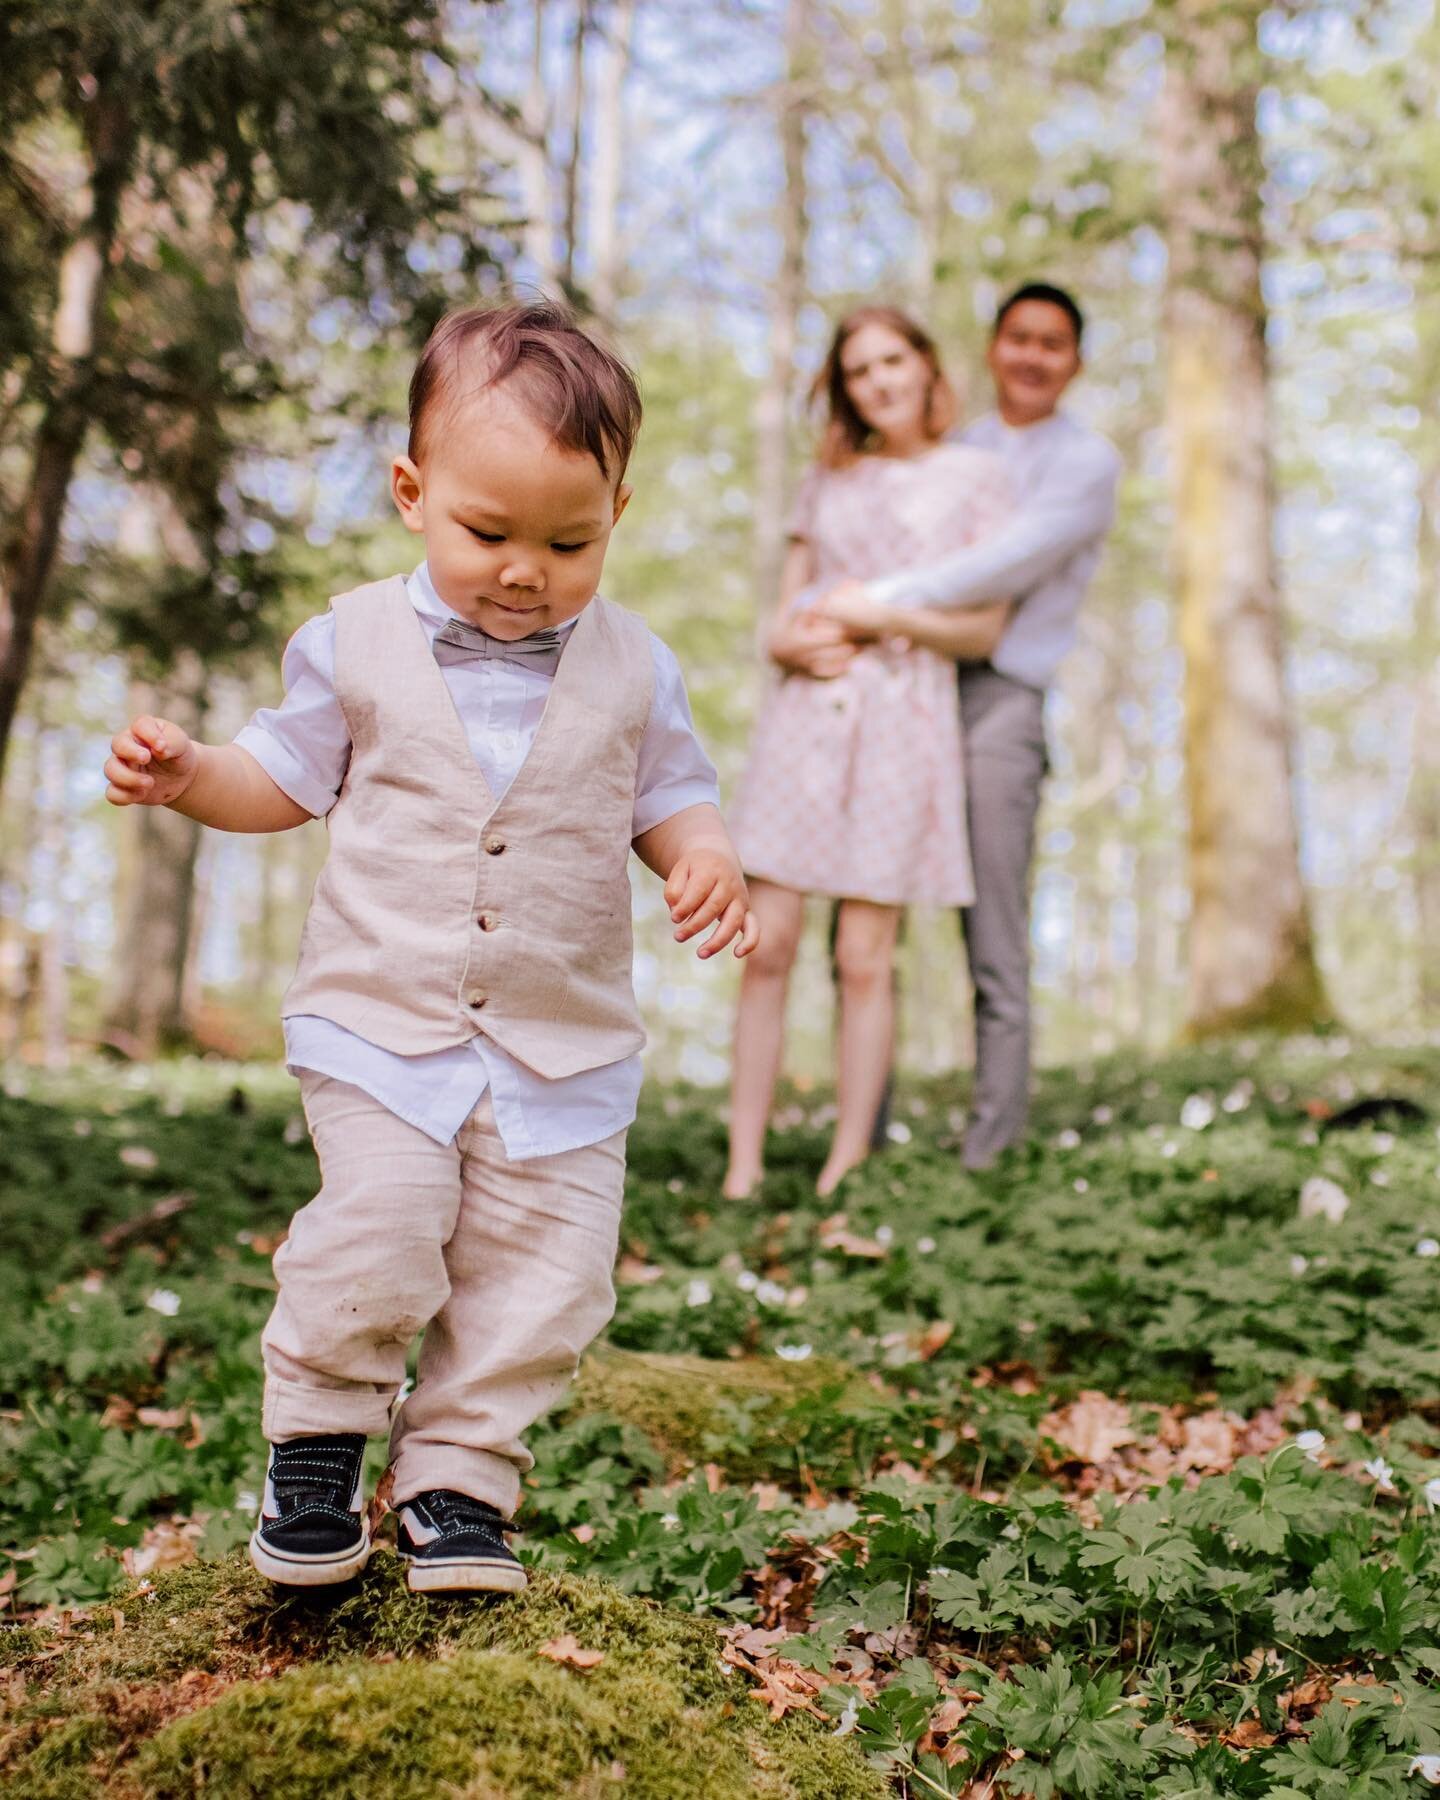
x: 478, y: 1473
x: 292, y: 1410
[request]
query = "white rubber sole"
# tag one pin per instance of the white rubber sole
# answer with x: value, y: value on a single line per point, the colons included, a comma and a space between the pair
x: 466, y: 1576
x: 307, y: 1571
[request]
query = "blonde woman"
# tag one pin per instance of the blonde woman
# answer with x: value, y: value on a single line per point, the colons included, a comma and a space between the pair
x: 854, y: 788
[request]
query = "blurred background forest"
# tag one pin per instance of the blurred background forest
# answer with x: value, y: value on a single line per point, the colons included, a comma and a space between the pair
x: 225, y: 229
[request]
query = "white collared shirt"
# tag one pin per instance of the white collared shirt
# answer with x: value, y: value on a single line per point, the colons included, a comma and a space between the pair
x: 304, y: 747
x: 1063, y: 476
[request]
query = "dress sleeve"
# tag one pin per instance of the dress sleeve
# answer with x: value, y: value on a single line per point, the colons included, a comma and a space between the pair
x: 802, y: 509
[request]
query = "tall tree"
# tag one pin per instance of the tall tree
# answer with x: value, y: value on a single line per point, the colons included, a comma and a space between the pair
x: 1252, y: 961
x: 608, y: 161
x: 792, y: 101
x: 323, y: 103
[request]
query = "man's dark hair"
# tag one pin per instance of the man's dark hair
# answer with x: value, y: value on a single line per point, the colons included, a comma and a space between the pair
x: 1052, y: 296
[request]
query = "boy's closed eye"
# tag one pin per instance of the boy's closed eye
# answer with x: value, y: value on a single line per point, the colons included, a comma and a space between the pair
x: 495, y: 537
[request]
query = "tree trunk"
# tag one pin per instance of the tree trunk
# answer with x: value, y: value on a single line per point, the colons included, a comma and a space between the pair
x: 1424, y: 796
x: 772, y: 406
x: 147, y: 1007
x: 577, y: 138
x: 28, y: 553
x: 54, y: 944
x: 533, y: 155
x: 608, y: 162
x: 17, y: 864
x: 1252, y: 962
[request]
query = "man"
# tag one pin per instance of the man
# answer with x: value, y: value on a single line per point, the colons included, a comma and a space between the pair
x: 1064, y: 478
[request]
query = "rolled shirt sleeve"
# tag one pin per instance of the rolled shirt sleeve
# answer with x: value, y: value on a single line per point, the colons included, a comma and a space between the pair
x: 1073, y: 507
x: 671, y: 770
x: 303, y: 744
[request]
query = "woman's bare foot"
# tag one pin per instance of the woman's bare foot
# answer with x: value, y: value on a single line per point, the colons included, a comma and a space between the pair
x: 834, y: 1172
x: 740, y: 1186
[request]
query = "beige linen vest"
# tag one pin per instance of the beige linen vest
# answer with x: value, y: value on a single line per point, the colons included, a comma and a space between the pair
x: 439, y: 914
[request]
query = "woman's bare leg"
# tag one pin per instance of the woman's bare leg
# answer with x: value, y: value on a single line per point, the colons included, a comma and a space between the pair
x: 865, y: 957
x: 760, y: 1031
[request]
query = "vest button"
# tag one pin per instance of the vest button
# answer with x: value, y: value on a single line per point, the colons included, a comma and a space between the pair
x: 487, y: 921
x: 494, y: 845
x: 477, y: 1000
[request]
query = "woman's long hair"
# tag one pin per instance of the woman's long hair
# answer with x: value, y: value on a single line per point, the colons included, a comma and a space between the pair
x: 846, y: 435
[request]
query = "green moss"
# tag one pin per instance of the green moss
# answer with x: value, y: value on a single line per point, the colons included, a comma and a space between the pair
x: 17, y: 1642
x: 488, y: 1725
x: 690, y: 1407
x: 67, y: 1761
x: 370, y: 1689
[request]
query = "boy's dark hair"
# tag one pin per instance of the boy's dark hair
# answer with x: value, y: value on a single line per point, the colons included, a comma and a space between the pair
x: 1052, y: 296
x: 583, y: 395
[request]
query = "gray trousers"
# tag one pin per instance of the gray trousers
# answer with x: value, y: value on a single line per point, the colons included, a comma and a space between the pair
x: 1005, y: 764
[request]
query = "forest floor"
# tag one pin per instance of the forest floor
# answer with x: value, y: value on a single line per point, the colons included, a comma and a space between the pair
x: 1110, y: 1472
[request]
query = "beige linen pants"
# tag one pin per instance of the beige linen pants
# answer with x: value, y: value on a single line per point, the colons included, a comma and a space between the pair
x: 505, y: 1267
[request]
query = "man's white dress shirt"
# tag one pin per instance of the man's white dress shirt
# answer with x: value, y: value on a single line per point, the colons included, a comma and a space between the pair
x: 1064, y: 477
x: 304, y: 747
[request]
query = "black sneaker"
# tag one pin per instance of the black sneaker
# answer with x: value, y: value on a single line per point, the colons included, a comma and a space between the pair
x: 452, y: 1541
x: 312, y: 1528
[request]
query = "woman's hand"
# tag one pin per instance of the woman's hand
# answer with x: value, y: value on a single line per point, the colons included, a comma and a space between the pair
x: 803, y: 643
x: 851, y: 607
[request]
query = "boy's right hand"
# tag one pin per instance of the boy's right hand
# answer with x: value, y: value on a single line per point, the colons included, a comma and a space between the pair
x: 152, y: 762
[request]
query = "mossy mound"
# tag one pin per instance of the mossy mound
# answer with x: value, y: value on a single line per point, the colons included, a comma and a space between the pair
x: 208, y: 1682
x: 492, y: 1726
x: 696, y: 1409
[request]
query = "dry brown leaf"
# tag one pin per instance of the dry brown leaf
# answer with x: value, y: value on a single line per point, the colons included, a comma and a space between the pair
x: 835, y: 1234
x: 784, y: 1686
x: 1207, y: 1442
x: 630, y: 1271
x: 1091, y: 1428
x: 935, y: 1337
x: 168, y: 1545
x: 567, y: 1650
x: 754, y: 1640
x: 163, y: 1418
x: 1309, y: 1694
x: 1249, y: 1734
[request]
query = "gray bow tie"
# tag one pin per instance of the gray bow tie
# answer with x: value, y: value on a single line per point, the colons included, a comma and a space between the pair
x: 457, y: 642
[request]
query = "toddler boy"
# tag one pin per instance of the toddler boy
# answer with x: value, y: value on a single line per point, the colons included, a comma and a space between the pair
x: 486, y: 741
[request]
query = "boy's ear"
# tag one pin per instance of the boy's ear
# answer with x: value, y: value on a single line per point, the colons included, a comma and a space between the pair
x: 407, y: 491
x: 622, y: 500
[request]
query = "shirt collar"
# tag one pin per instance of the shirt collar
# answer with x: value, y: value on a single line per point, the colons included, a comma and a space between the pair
x: 434, y: 612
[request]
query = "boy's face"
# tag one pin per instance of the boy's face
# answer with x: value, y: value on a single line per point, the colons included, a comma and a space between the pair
x: 515, y: 528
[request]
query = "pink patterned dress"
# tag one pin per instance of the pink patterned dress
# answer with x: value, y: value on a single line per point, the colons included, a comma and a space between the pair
x: 855, y: 786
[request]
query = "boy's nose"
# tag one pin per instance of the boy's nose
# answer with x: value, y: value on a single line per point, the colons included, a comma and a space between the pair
x: 522, y: 575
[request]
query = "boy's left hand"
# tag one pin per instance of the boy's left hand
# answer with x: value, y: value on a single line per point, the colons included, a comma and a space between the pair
x: 704, y: 887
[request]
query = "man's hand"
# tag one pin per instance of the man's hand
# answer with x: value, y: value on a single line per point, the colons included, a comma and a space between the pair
x: 848, y: 605
x: 706, y: 886
x: 152, y: 762
x: 803, y: 643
